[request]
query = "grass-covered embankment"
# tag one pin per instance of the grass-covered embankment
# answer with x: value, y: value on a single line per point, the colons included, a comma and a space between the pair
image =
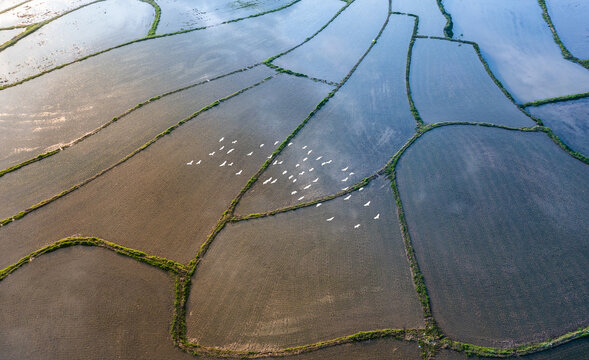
x: 565, y: 52
x: 159, y: 262
x: 449, y: 27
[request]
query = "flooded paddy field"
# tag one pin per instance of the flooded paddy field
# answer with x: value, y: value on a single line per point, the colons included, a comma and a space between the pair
x: 569, y: 120
x: 186, y: 14
x: 431, y: 20
x: 305, y: 276
x: 41, y: 180
x: 519, y: 47
x: 77, y: 34
x: 333, y: 52
x: 87, y: 303
x: 35, y: 11
x: 87, y: 94
x: 570, y: 20
x: 449, y: 83
x: 494, y: 217
x: 127, y: 207
x: 352, y: 137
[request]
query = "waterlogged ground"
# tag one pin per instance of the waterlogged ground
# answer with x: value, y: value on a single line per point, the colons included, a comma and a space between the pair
x: 293, y: 179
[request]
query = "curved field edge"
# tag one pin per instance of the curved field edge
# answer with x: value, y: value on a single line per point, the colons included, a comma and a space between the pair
x: 34, y: 27
x: 563, y: 49
x: 169, y: 130
x: 115, y: 119
x: 157, y: 17
x: 449, y: 27
x: 156, y: 261
x: 149, y: 37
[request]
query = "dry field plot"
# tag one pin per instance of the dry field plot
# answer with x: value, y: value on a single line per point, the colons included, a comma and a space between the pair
x: 301, y: 179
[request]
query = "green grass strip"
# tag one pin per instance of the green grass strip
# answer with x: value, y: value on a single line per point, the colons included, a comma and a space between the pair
x: 556, y: 99
x: 14, y: 6
x: 34, y: 27
x: 448, y: 28
x: 298, y: 74
x: 156, y: 19
x: 563, y: 49
x: 117, y: 118
x: 414, y: 110
x: 475, y: 350
x: 398, y: 334
x: 129, y: 156
x: 140, y: 40
x: 156, y: 261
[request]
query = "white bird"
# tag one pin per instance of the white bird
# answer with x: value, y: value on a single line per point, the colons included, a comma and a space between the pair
x: 289, y: 144
x: 352, y: 173
x: 362, y: 188
x: 250, y: 154
x: 230, y: 164
x: 377, y: 217
x: 309, y: 152
x: 345, y: 169
x: 348, y: 197
x: 223, y: 164
x: 331, y: 218
x: 304, y: 147
x: 306, y: 187
x: 316, y: 180
x: 311, y: 169
x: 267, y: 181
x: 275, y: 162
x: 319, y: 158
x: 222, y: 147
x: 234, y: 142
x: 323, y: 163
x: 239, y: 172
x: 190, y: 163
x: 290, y: 177
x: 294, y: 192
x: 318, y: 204
x: 356, y: 226
x: 275, y: 143
x: 301, y: 198
x: 211, y: 154
x: 305, y: 159
x: 280, y: 162
x: 301, y: 173
x: 221, y: 139
x: 329, y: 162
x: 198, y: 162
x: 367, y: 204
x: 345, y: 179
x: 273, y: 181
x: 230, y: 151
x: 297, y: 165
x: 284, y: 172
x: 261, y: 145
x: 346, y: 188
x: 269, y: 156
x: 294, y: 180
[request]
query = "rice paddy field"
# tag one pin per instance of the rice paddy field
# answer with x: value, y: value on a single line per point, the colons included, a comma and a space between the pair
x: 294, y: 179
